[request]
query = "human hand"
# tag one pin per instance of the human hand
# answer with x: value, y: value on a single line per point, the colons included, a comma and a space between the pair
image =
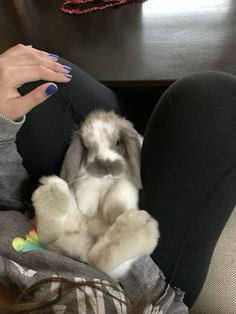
x: 22, y: 64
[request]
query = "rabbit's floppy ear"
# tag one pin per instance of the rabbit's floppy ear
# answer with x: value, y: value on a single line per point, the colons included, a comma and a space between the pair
x: 133, y: 148
x: 72, y: 160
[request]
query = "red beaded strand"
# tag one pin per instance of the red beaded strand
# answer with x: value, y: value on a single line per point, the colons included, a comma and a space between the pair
x: 104, y: 4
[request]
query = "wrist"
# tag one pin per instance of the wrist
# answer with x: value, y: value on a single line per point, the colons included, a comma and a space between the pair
x: 9, y: 128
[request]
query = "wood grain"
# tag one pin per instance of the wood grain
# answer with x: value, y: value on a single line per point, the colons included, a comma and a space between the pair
x: 150, y: 43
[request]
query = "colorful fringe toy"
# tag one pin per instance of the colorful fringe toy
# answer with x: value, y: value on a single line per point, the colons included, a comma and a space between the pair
x: 86, y: 6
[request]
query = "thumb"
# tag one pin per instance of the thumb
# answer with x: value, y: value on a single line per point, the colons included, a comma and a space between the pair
x: 36, y: 97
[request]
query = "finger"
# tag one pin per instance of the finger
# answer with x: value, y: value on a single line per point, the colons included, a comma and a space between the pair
x: 25, y: 103
x: 45, y: 54
x: 41, y: 53
x: 25, y: 74
x: 33, y: 60
x: 19, y: 49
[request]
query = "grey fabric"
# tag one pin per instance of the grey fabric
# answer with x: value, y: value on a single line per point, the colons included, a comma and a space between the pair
x: 12, y: 173
x: 144, y: 279
x: 26, y: 268
x: 218, y: 293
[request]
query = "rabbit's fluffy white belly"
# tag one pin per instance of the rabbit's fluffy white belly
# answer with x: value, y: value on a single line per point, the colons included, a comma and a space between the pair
x: 99, y: 202
x: 105, y: 197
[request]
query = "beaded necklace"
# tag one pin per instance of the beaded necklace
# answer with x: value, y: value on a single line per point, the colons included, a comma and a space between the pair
x: 86, y: 6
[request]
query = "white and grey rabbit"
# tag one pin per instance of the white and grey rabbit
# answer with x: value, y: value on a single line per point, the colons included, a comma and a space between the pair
x: 91, y: 212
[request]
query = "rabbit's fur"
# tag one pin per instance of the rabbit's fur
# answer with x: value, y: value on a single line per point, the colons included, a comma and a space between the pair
x: 91, y: 211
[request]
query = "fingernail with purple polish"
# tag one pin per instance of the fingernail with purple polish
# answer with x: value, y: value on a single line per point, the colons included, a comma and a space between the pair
x: 69, y: 76
x: 67, y: 68
x: 51, y: 89
x: 52, y: 56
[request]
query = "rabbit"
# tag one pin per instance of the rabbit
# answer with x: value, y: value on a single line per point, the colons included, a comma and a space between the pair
x: 91, y: 211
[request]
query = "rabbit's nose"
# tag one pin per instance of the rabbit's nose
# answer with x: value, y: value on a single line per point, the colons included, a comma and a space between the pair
x: 103, y: 167
x: 108, y: 166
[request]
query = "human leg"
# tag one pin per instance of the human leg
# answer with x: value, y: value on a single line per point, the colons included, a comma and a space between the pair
x: 189, y: 176
x: 44, y: 137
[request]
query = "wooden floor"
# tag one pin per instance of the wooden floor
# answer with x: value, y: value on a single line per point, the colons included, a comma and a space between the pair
x: 150, y: 43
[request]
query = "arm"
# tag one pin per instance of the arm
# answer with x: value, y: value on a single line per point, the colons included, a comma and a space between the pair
x: 19, y: 65
x: 12, y: 173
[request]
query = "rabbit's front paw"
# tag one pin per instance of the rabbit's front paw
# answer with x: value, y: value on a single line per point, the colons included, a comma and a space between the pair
x: 52, y: 195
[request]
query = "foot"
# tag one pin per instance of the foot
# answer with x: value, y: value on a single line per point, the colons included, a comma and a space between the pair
x: 52, y: 196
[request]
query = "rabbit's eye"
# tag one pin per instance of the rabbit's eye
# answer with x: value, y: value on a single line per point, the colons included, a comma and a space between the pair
x: 118, y: 142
